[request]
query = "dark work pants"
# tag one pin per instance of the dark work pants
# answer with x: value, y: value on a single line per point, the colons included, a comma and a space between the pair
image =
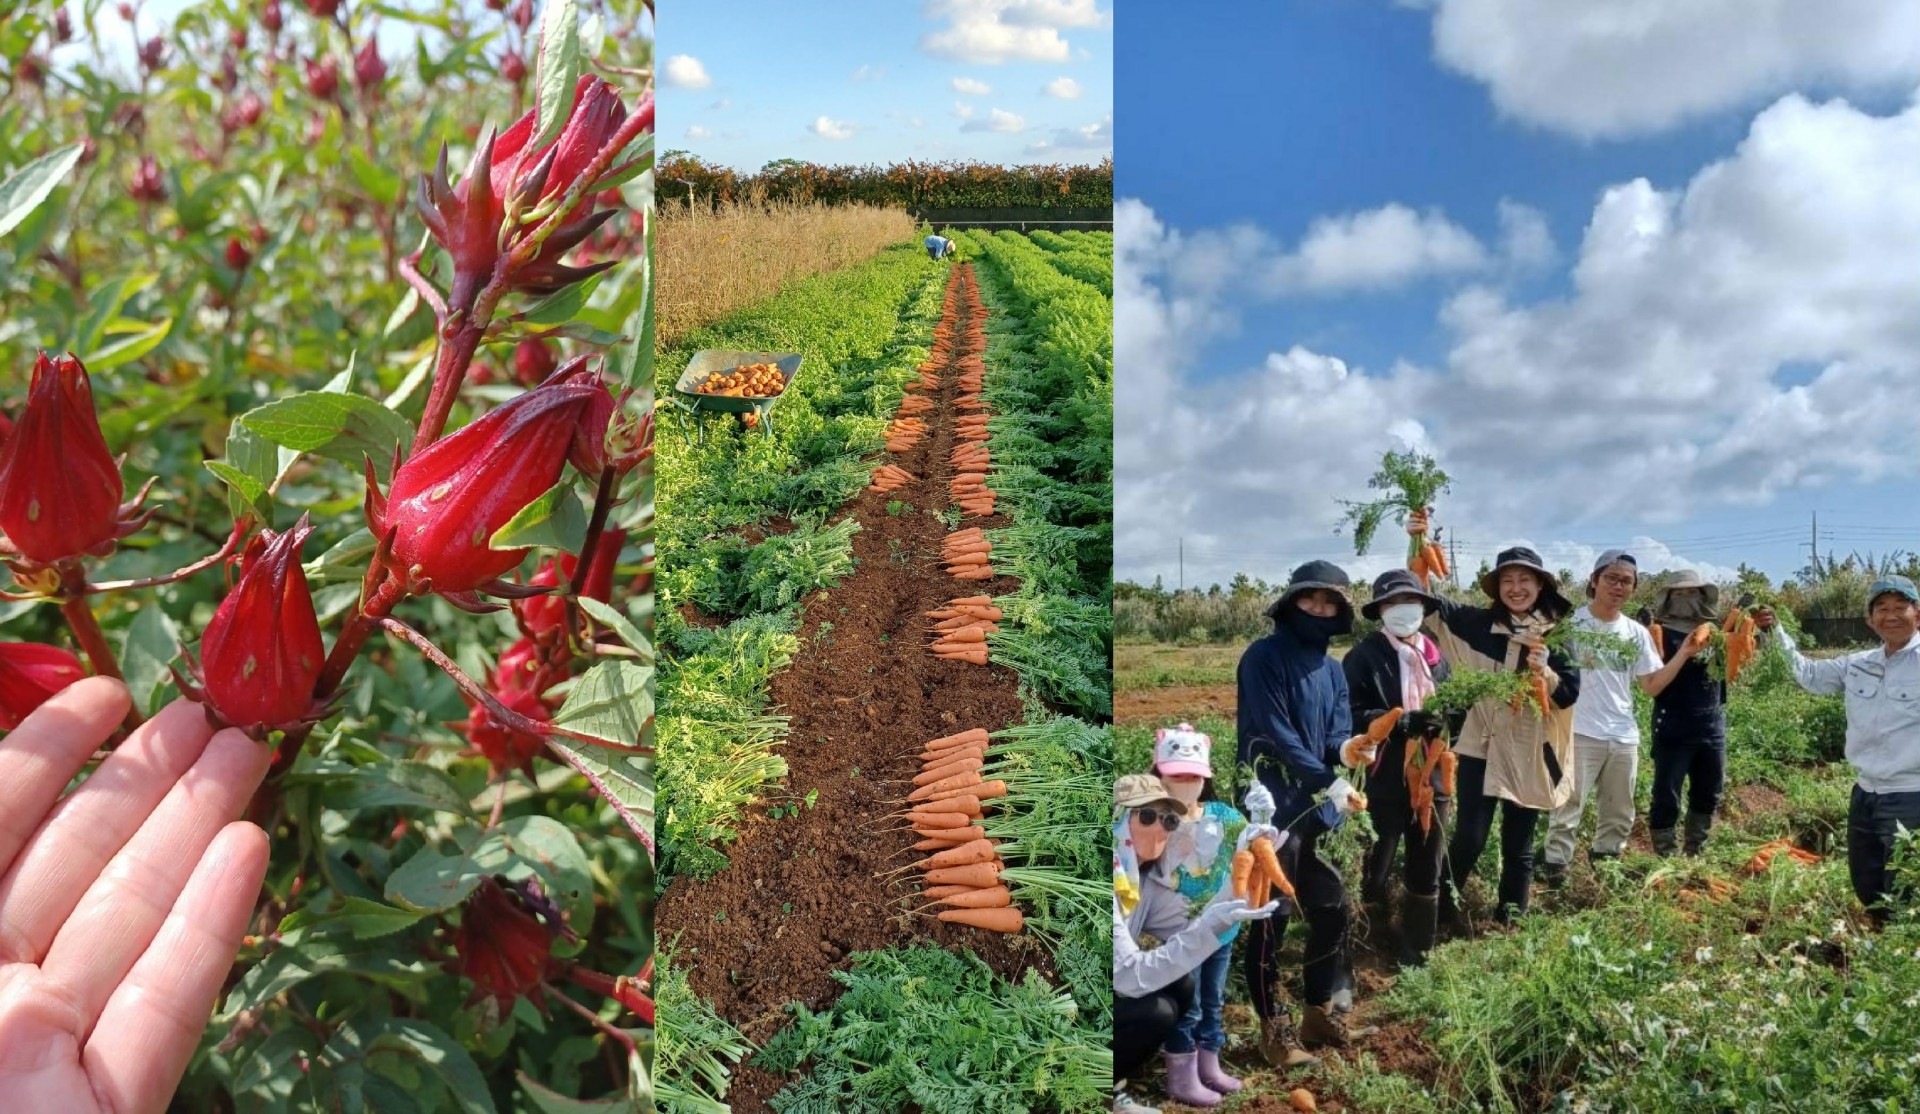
x: 1473, y: 827
x: 1322, y: 902
x: 1873, y: 822
x: 1393, y: 822
x: 1701, y: 766
x: 1141, y: 1025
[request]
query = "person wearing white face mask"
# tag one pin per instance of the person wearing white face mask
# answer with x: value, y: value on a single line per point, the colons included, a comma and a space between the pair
x: 1398, y: 667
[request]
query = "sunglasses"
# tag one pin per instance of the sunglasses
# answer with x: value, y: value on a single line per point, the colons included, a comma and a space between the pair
x: 1151, y: 816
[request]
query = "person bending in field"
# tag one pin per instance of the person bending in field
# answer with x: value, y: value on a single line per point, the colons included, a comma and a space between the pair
x: 1295, y: 732
x: 1513, y: 761
x: 1398, y: 667
x: 1606, y: 730
x: 1689, y: 719
x: 1882, y: 689
x: 938, y: 247
x: 1198, y: 858
x: 1153, y: 988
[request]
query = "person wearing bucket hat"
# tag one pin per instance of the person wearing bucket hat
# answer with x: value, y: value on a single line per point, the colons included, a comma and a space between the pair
x: 1295, y: 730
x: 1689, y: 718
x: 1882, y: 688
x: 1398, y: 667
x: 1153, y: 988
x: 1615, y: 654
x: 1514, y: 762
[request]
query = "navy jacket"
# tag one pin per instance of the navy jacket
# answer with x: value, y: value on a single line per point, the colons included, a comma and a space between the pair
x: 1294, y: 715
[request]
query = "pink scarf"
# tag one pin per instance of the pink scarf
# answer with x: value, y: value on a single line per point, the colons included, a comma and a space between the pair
x: 1418, y: 655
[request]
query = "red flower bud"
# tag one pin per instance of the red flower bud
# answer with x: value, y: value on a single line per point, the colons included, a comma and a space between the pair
x: 522, y: 14
x: 270, y: 17
x: 237, y: 36
x: 452, y: 496
x: 30, y: 674
x: 237, y: 254
x: 497, y: 5
x: 153, y: 54
x: 30, y: 69
x: 533, y: 360
x: 549, y: 612
x: 322, y: 78
x: 125, y: 9
x: 229, y: 75
x: 316, y: 128
x: 505, y: 939
x: 62, y: 25
x: 516, y: 668
x: 368, y: 70
x: 261, y: 653
x: 244, y: 113
x: 89, y: 150
x: 60, y: 489
x: 148, y: 186
x: 513, y: 67
x: 323, y: 9
x: 505, y: 747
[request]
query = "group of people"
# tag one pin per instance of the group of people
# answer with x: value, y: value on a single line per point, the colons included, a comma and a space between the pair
x: 1303, y: 731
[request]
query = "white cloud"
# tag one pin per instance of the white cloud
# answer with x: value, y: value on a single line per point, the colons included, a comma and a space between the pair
x: 963, y: 110
x: 828, y: 128
x: 684, y: 71
x: 721, y: 105
x: 971, y: 87
x: 1525, y: 238
x: 989, y: 32
x: 1372, y: 249
x: 1065, y: 88
x: 1604, y: 68
x: 997, y: 120
x: 1096, y: 138
x: 695, y: 131
x: 1751, y: 332
x: 869, y: 73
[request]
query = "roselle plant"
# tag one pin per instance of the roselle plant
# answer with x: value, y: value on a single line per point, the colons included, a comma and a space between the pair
x: 251, y: 454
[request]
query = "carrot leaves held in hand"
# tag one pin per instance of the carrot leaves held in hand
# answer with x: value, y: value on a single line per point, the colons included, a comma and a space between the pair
x: 1408, y: 481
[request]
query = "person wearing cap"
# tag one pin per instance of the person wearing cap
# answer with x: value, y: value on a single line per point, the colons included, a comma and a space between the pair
x: 1296, y: 732
x: 1514, y: 763
x: 1689, y: 718
x: 1153, y: 988
x: 1606, y: 729
x: 1882, y: 688
x: 1398, y: 667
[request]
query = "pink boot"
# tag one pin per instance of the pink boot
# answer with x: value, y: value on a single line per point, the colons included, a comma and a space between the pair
x: 1183, y: 1085
x: 1212, y: 1076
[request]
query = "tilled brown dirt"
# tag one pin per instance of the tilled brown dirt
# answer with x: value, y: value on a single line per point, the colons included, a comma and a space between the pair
x: 1154, y: 707
x: 803, y: 892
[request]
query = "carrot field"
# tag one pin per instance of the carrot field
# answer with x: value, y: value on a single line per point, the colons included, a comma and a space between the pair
x: 907, y: 576
x: 1737, y: 981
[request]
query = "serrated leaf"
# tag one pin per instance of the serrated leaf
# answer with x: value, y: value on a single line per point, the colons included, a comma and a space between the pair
x: 559, y: 70
x: 398, y: 785
x: 31, y: 185
x: 409, y: 302
x: 555, y: 519
x: 586, y: 333
x: 614, y: 701
x: 348, y: 428
x: 610, y: 617
x: 246, y: 487
x: 151, y: 645
x: 434, y: 882
x: 344, y: 559
x: 380, y: 183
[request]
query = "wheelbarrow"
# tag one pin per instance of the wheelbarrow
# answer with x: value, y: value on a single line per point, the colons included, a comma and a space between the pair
x: 708, y: 361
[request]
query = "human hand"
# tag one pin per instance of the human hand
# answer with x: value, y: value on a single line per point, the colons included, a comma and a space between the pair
x: 1425, y: 725
x: 1764, y: 618
x: 1254, y: 831
x: 1417, y: 522
x: 1226, y: 910
x: 1345, y: 797
x: 1358, y: 752
x: 121, y: 906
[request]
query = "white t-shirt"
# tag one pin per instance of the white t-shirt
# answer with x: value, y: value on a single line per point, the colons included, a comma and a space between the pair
x: 1605, y: 707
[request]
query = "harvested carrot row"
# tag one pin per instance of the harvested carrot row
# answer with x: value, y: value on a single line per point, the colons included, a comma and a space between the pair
x: 971, y: 735
x: 993, y: 920
x: 990, y: 897
x: 973, y: 874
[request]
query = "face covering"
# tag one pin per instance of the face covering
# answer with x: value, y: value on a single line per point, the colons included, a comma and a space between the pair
x: 1184, y: 792
x: 1312, y: 630
x: 1686, y: 607
x: 1402, y: 619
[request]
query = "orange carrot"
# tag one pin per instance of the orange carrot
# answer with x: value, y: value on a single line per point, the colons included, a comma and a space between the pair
x: 952, y: 836
x: 990, y: 897
x: 1259, y: 888
x: 985, y: 791
x: 937, y: 819
x: 1381, y: 728
x: 957, y: 781
x: 962, y: 738
x: 1269, y: 861
x: 973, y: 874
x: 960, y: 805
x: 947, y: 770
x: 982, y: 601
x: 1701, y: 635
x: 966, y: 634
x: 950, y: 891
x: 947, y: 754
x: 971, y: 657
x: 993, y: 920
x: 1436, y: 559
x: 1241, y: 870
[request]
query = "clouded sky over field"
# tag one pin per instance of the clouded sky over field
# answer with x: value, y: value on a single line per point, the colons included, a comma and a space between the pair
x: 883, y: 81
x: 1640, y: 275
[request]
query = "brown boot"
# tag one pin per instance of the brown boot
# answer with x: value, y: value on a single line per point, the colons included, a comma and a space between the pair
x: 1280, y: 1045
x: 1322, y: 1028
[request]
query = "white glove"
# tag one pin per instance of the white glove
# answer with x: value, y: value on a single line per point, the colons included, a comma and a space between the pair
x: 1341, y: 794
x: 1260, y: 805
x: 1226, y: 910
x: 1359, y: 752
x: 1254, y: 831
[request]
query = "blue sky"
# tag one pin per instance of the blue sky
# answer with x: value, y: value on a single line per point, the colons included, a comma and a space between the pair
x: 1634, y: 284
x: 883, y: 81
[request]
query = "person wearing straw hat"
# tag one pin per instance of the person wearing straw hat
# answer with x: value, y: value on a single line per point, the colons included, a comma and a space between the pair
x: 1689, y: 718
x: 1606, y: 728
x: 1153, y: 988
x: 1882, y: 688
x: 938, y: 247
x: 1296, y: 733
x: 1399, y: 667
x: 1516, y: 763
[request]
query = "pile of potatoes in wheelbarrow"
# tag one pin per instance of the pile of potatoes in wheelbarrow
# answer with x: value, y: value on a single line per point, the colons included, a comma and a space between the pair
x: 745, y: 381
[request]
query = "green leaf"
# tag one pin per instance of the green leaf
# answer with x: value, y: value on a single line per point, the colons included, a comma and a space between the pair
x: 560, y: 306
x: 614, y: 701
x: 398, y: 785
x: 610, y: 617
x: 141, y: 340
x: 640, y: 371
x: 370, y: 919
x: 31, y: 184
x: 344, y: 559
x: 401, y: 401
x: 434, y: 882
x: 559, y: 69
x: 555, y: 519
x: 103, y: 306
x: 586, y: 333
x: 381, y: 184
x: 429, y: 1047
x: 409, y: 302
x: 344, y: 427
x: 553, y: 1102
x: 252, y: 491
x: 151, y: 645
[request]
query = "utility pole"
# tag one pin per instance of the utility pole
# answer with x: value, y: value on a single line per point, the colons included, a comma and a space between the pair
x: 1453, y: 562
x: 1813, y: 546
x: 1183, y: 564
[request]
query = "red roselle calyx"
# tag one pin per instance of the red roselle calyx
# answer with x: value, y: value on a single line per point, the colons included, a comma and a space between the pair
x: 522, y: 14
x: 533, y: 360
x: 153, y: 53
x: 148, y: 185
x: 513, y: 67
x: 237, y: 254
x: 262, y: 653
x: 467, y: 219
x: 505, y: 747
x: 323, y: 78
x: 505, y: 939
x: 542, y: 614
x: 323, y: 9
x: 453, y: 495
x: 60, y: 489
x: 368, y: 70
x: 62, y: 25
x: 270, y: 17
x: 30, y: 675
x: 244, y: 113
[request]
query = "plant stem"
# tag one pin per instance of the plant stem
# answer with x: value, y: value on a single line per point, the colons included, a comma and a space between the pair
x: 87, y: 632
x: 449, y: 371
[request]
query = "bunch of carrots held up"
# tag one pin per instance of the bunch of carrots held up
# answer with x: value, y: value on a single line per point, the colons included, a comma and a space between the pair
x: 1256, y: 873
x: 962, y: 869
x: 961, y: 629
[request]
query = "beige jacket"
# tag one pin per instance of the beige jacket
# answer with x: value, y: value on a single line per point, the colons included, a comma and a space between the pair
x: 1529, y: 760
